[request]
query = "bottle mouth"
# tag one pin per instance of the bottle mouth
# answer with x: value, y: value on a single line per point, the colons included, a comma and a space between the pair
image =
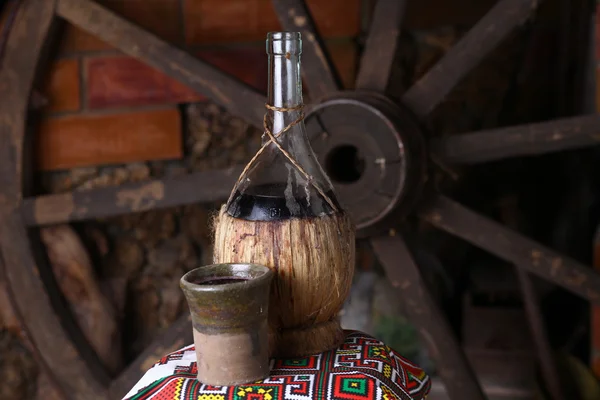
x: 284, y: 43
x: 284, y: 36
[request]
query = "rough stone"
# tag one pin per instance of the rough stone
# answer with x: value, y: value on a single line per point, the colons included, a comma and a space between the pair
x: 163, y: 259
x: 119, y: 176
x: 188, y: 258
x: 56, y: 182
x: 99, y: 181
x: 171, y: 256
x: 171, y: 301
x: 90, y: 178
x: 217, y: 139
x: 195, y: 223
x: 154, y: 226
x: 138, y: 172
x: 83, y: 174
x: 115, y: 291
x: 199, y: 134
x: 145, y: 302
x: 173, y: 170
x: 239, y: 154
x: 129, y: 257
x: 123, y: 224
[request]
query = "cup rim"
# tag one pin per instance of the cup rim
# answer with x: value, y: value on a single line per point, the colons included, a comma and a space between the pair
x: 264, y: 273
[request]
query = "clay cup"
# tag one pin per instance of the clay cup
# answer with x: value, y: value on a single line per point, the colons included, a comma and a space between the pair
x: 229, y: 304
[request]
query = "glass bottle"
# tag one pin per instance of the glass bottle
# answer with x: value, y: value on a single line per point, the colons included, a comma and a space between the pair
x: 273, y: 188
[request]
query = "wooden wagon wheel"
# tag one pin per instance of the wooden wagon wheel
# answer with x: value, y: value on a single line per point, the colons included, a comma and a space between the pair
x: 393, y: 187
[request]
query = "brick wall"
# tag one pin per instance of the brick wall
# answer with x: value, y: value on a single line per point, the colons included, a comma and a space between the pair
x: 104, y: 107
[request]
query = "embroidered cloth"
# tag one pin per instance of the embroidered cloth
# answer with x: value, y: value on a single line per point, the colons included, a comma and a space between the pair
x: 362, y: 368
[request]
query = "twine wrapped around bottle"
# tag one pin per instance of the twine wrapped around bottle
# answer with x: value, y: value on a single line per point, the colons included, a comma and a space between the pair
x: 273, y: 139
x: 313, y: 259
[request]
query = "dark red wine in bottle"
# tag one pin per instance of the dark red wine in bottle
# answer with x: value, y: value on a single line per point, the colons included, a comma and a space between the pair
x: 269, y: 203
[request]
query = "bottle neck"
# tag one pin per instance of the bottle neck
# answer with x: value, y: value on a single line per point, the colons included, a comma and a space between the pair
x: 285, y: 83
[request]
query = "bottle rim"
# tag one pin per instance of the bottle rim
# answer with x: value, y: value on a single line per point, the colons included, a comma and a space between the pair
x: 284, y: 35
x: 284, y: 43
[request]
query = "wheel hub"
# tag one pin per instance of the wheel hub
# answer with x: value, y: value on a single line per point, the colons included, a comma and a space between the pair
x: 373, y: 151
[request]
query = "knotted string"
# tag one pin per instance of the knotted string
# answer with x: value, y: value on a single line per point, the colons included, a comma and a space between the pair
x: 273, y: 139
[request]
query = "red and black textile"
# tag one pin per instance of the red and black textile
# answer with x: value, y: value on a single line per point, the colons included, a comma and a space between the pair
x: 362, y: 368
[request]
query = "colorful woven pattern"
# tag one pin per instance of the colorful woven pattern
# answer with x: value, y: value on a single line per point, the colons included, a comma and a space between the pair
x: 362, y: 368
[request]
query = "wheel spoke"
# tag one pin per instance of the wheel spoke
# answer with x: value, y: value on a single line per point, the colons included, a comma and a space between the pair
x: 378, y: 55
x: 131, y: 197
x: 317, y: 68
x: 423, y: 311
x: 226, y: 90
x: 433, y: 87
x: 523, y: 140
x: 542, y: 345
x: 178, y: 335
x: 511, y: 246
x: 67, y: 356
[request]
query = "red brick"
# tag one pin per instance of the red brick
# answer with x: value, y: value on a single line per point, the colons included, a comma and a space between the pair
x: 123, y: 81
x: 85, y: 140
x: 161, y: 17
x: 248, y: 64
x: 213, y: 21
x: 62, y: 86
